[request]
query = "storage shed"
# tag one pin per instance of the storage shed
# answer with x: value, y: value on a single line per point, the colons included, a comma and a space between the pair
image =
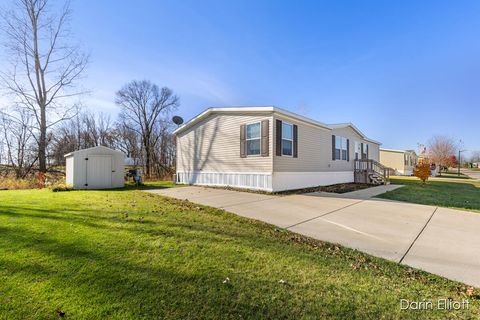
x: 95, y: 168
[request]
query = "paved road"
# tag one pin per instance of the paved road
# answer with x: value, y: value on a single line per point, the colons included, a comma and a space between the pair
x: 439, y: 240
x: 472, y: 174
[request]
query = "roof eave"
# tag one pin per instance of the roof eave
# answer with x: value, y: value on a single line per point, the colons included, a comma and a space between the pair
x: 360, y: 133
x: 209, y: 111
x: 300, y: 117
x: 273, y: 109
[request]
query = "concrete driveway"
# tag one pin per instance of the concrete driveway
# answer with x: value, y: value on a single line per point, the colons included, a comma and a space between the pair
x: 471, y: 173
x: 438, y: 240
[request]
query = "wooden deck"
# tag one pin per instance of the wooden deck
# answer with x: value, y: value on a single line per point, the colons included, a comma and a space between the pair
x: 371, y: 172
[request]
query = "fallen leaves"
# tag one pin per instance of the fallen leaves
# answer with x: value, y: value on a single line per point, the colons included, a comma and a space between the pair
x: 470, y: 291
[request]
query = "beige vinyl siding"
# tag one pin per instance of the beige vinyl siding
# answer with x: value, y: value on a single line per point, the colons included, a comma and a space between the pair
x: 374, y: 150
x: 213, y: 145
x: 315, y: 150
x: 352, y: 135
x: 396, y: 160
x: 392, y: 159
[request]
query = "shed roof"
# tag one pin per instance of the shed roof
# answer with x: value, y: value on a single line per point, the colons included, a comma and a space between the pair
x: 92, y: 149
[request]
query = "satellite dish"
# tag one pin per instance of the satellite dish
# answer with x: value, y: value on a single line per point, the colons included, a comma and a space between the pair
x: 177, y: 120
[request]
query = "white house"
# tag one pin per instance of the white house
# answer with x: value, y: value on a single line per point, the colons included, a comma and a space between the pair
x: 95, y: 168
x: 271, y: 149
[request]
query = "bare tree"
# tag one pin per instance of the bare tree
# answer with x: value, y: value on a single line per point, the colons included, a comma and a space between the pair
x: 441, y: 149
x: 128, y: 141
x: 145, y: 110
x: 85, y: 130
x: 475, y: 157
x: 3, y: 146
x: 2, y: 152
x: 17, y: 137
x: 45, y: 67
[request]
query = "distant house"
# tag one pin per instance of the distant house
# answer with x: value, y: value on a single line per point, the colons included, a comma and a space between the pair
x: 402, y: 161
x: 271, y: 149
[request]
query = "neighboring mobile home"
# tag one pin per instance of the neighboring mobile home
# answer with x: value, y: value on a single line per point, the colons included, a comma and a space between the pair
x: 268, y: 148
x: 402, y: 161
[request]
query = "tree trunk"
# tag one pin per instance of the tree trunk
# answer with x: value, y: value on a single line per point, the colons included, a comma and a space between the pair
x: 148, y: 153
x: 42, y: 142
x: 148, y: 157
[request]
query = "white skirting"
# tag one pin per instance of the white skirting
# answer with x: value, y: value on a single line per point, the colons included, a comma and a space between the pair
x: 266, y: 181
x: 405, y: 172
x: 298, y: 180
x: 248, y: 180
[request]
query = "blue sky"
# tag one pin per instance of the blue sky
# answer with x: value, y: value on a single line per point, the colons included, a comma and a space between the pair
x: 400, y: 70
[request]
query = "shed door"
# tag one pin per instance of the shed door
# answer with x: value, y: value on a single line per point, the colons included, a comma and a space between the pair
x: 99, y: 171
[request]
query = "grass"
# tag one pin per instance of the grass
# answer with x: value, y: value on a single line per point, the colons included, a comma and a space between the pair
x: 148, y: 185
x: 333, y: 188
x: 453, y: 175
x: 442, y: 191
x: 344, y: 187
x: 127, y: 254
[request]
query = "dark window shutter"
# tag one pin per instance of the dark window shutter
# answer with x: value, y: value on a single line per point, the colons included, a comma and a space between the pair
x: 295, y: 141
x: 278, y: 137
x: 333, y: 147
x: 361, y: 151
x: 243, y: 142
x: 367, y: 152
x: 265, y: 129
x: 348, y: 149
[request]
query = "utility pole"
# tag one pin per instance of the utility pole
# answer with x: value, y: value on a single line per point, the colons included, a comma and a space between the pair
x: 459, y: 160
x: 460, y: 145
x: 458, y: 174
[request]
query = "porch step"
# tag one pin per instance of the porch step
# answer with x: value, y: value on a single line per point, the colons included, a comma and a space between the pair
x: 376, y: 179
x: 371, y: 171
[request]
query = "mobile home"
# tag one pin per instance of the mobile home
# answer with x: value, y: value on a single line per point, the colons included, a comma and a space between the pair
x: 402, y: 161
x: 271, y: 149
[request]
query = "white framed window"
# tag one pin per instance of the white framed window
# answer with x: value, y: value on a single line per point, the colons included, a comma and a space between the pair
x: 253, y: 139
x: 357, y: 150
x: 340, y: 148
x: 287, y: 139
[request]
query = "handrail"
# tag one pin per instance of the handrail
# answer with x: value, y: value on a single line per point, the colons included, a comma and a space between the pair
x: 370, y: 165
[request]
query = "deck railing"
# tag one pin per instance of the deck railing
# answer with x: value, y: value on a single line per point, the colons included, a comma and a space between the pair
x: 364, y: 167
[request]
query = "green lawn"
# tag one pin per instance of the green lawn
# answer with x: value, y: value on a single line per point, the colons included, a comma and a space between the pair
x: 127, y: 254
x: 454, y: 175
x: 444, y: 192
